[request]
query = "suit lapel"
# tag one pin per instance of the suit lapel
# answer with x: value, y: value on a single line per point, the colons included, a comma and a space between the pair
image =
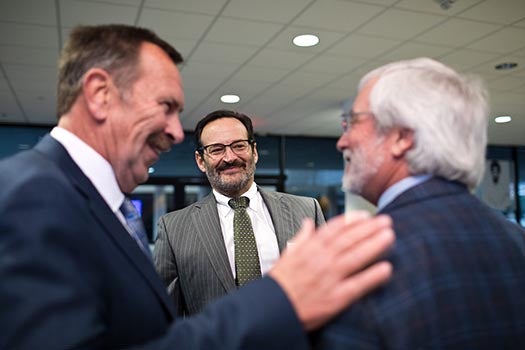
x: 108, y: 221
x: 206, y: 221
x: 281, y: 215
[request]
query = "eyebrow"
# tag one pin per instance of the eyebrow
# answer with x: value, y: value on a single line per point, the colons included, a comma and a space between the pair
x: 175, y: 105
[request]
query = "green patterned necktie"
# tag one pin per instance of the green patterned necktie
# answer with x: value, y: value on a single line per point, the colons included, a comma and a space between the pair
x: 246, y: 256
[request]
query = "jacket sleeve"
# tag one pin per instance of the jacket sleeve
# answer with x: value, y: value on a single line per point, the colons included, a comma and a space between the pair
x: 257, y: 316
x: 166, y: 266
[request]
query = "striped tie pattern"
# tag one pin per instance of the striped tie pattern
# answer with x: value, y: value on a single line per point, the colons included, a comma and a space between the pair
x: 136, y: 226
x: 247, y: 263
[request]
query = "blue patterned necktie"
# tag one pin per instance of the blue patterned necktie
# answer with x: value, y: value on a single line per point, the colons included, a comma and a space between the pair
x: 135, y: 225
x: 247, y: 263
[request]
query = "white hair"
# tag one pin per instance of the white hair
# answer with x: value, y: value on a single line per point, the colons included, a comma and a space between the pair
x: 447, y: 111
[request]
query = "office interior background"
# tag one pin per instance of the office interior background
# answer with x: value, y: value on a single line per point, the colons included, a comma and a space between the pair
x: 295, y: 95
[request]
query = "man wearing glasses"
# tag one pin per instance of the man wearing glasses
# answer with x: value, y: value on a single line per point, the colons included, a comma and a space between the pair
x: 414, y: 145
x: 199, y: 253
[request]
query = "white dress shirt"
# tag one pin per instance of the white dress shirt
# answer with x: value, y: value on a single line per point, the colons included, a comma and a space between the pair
x: 96, y: 168
x: 267, y: 245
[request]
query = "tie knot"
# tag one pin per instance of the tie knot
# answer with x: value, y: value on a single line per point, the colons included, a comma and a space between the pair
x: 241, y: 202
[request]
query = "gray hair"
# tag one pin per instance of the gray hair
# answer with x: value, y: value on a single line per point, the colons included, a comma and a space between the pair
x: 113, y: 47
x: 447, y: 111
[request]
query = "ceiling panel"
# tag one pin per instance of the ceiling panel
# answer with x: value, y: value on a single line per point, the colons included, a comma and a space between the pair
x: 175, y: 24
x: 134, y: 3
x: 242, y: 32
x: 332, y: 64
x: 337, y: 15
x: 504, y: 41
x: 363, y: 46
x: 497, y: 11
x: 411, y: 50
x: 271, y: 58
x: 399, y: 24
x: 507, y: 84
x: 81, y: 12
x: 431, y: 6
x: 201, y: 70
x: 27, y: 77
x: 9, y: 108
x: 222, y: 53
x: 16, y: 34
x: 245, y: 46
x: 283, y: 41
x: 520, y: 24
x: 490, y: 66
x: 300, y: 79
x: 28, y: 11
x: 38, y: 56
x: 457, y: 32
x: 208, y: 7
x: 261, y: 74
x: 464, y: 59
x: 266, y: 10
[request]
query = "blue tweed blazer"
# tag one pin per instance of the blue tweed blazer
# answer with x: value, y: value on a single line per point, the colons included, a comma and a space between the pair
x: 459, y: 279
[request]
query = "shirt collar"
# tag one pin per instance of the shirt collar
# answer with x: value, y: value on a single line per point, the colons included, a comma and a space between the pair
x: 96, y: 168
x: 399, y: 187
x: 222, y: 200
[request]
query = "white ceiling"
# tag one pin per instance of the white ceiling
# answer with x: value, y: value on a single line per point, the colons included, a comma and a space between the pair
x: 244, y: 47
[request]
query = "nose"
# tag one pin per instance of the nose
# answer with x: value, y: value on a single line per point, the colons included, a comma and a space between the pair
x: 342, y: 143
x: 229, y: 155
x: 174, y: 129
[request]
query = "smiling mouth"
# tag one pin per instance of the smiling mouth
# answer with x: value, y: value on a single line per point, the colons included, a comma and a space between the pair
x: 347, y: 158
x: 230, y: 169
x: 159, y: 143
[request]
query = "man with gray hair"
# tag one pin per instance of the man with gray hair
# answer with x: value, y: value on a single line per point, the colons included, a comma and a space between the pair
x: 414, y: 145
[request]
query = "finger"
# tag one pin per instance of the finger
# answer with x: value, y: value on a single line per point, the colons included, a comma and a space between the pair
x: 356, y: 215
x: 305, y: 232
x: 346, y: 235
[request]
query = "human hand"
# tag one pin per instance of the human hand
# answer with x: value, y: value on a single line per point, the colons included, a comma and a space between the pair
x: 324, y: 271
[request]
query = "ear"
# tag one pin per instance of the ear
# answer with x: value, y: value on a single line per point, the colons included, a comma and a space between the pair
x: 255, y: 153
x: 96, y: 88
x: 200, y: 161
x: 403, y: 141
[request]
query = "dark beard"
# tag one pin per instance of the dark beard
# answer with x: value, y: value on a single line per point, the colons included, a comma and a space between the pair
x: 231, y: 188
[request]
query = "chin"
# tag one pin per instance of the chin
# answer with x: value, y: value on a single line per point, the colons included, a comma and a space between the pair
x: 352, y: 187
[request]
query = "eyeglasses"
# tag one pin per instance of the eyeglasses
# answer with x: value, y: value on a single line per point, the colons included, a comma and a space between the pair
x: 351, y: 118
x: 217, y: 150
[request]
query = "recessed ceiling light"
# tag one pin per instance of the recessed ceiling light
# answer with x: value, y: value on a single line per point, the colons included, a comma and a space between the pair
x: 306, y: 40
x: 230, y: 98
x: 506, y: 65
x: 503, y: 119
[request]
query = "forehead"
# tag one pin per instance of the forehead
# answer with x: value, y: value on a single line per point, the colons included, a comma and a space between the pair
x: 223, y: 130
x: 160, y: 73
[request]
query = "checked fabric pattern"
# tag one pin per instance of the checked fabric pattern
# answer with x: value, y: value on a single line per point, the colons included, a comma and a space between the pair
x: 136, y: 226
x: 246, y: 257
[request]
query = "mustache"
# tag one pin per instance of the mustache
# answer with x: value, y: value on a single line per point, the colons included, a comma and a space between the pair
x: 225, y: 165
x: 160, y: 141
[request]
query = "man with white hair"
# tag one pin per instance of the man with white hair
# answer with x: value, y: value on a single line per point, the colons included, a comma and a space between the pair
x: 414, y: 145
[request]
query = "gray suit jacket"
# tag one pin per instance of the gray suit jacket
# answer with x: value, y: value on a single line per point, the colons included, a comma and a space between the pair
x: 190, y: 254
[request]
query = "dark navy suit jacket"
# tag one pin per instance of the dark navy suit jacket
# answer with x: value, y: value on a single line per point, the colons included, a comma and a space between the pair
x: 72, y: 277
x: 458, y: 283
